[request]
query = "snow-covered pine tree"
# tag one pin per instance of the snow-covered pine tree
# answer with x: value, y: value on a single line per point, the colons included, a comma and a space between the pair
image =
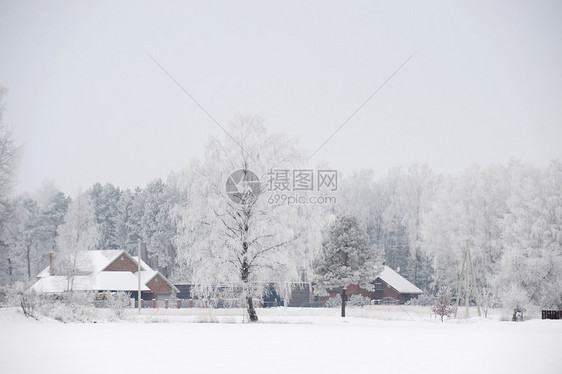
x: 347, y: 259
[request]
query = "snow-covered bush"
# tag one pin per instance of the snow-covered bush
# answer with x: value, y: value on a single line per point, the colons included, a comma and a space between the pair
x: 118, y: 303
x: 359, y: 300
x: 18, y: 295
x: 206, y: 319
x: 333, y: 302
x: 425, y: 299
x: 515, y: 300
x: 488, y: 300
x: 74, y: 306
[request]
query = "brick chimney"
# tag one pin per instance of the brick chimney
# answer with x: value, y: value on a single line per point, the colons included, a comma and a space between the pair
x: 52, y: 262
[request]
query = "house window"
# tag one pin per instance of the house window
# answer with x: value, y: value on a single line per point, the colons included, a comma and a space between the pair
x: 156, y: 280
x: 378, y: 286
x: 122, y: 258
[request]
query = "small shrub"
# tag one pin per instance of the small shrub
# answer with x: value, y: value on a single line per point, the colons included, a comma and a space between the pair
x: 118, y: 303
x: 333, y: 302
x: 359, y: 300
x: 516, y: 301
x: 425, y: 299
x: 443, y: 305
x: 19, y: 295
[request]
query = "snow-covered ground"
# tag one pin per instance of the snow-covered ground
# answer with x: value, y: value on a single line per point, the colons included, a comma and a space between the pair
x: 286, y: 341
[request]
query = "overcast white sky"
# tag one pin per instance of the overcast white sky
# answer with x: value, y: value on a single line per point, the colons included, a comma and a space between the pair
x: 89, y: 105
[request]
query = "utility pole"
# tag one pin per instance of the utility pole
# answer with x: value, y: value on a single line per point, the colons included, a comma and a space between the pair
x: 139, y: 300
x: 466, y: 279
x: 344, y: 290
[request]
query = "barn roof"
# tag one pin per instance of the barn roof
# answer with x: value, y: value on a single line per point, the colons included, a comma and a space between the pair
x: 398, y: 282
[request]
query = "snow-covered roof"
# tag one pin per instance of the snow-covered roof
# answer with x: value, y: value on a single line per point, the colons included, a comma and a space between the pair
x: 123, y: 280
x: 105, y: 280
x: 44, y: 273
x: 147, y: 276
x: 144, y: 265
x: 92, y: 261
x: 398, y: 282
x: 92, y: 265
x: 98, y: 260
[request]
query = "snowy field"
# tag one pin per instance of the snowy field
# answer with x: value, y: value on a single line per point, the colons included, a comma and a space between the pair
x: 381, y: 340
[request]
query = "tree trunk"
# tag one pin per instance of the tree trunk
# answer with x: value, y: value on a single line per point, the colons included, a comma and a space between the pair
x: 415, y: 267
x: 343, y: 301
x: 251, y: 310
x: 28, y: 254
x: 245, y: 275
x: 10, y: 267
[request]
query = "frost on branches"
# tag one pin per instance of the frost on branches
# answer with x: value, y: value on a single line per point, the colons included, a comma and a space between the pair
x: 347, y: 259
x: 238, y: 240
x: 78, y: 233
x: 443, y: 305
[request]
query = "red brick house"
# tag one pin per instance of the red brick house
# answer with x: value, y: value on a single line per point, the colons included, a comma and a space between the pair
x: 109, y: 270
x: 390, y: 287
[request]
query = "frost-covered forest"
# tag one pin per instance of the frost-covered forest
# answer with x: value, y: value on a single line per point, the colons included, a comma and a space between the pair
x: 509, y: 216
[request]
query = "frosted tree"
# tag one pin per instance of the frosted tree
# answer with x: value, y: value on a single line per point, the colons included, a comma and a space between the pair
x: 395, y: 239
x: 416, y: 192
x: 135, y: 211
x: 380, y: 210
x: 53, y: 205
x: 357, y: 196
x: 229, y: 234
x: 465, y: 216
x: 18, y: 238
x: 158, y: 227
x: 29, y: 233
x: 532, y: 235
x: 122, y: 222
x: 443, y: 305
x: 9, y: 156
x: 12, y: 256
x: 347, y: 259
x: 105, y: 200
x: 439, y: 235
x: 78, y: 234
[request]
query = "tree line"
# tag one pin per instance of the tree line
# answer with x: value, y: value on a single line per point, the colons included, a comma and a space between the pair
x: 509, y: 216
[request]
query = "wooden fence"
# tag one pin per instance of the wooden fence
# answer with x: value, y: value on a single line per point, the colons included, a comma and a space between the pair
x: 552, y: 314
